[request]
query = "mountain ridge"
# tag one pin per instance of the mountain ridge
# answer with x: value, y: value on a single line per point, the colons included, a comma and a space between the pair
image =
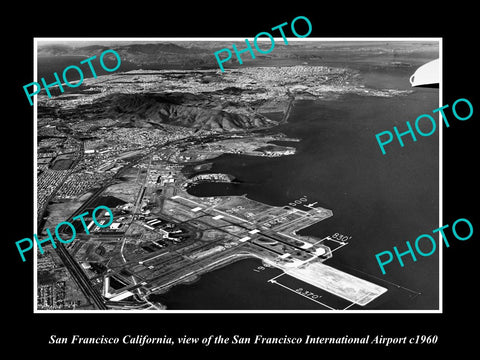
x: 177, y: 109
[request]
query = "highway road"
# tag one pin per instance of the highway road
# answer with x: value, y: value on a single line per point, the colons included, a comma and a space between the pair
x: 80, y: 278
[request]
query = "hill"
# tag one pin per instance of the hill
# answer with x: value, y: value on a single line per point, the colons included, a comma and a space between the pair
x: 150, y: 110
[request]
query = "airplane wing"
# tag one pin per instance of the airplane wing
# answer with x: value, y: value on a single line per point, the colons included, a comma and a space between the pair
x: 427, y: 75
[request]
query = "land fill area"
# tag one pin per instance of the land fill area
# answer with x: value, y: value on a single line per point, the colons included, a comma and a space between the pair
x: 137, y: 139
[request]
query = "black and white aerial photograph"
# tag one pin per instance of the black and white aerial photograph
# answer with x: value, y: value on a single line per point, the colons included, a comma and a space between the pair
x: 246, y: 181
x: 217, y: 180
